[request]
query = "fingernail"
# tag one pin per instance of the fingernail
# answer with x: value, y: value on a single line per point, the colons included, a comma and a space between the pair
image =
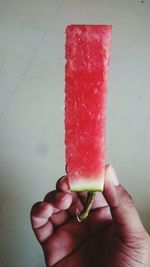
x: 60, y: 196
x: 111, y: 175
x: 63, y: 178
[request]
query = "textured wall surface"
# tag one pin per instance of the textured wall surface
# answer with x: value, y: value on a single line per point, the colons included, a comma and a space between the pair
x: 31, y: 108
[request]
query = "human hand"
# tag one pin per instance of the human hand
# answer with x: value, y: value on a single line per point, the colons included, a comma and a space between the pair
x: 111, y: 236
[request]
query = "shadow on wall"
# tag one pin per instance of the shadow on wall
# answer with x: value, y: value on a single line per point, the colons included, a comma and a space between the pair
x: 15, y: 228
x: 145, y: 216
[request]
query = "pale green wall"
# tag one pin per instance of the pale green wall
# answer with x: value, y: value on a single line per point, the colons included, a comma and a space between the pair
x: 31, y: 108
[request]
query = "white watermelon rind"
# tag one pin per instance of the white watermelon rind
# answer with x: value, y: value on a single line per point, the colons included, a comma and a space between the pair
x: 83, y: 184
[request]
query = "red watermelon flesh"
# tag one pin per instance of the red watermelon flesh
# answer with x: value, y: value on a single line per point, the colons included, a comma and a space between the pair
x: 86, y: 73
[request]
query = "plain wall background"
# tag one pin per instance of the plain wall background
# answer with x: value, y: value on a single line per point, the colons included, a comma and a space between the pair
x: 32, y: 101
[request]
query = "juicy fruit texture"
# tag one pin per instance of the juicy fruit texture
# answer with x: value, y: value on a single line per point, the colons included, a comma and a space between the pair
x: 86, y: 72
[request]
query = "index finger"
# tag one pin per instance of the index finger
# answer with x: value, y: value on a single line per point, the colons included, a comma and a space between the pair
x: 63, y: 184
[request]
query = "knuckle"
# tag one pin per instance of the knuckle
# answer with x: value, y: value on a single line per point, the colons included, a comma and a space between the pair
x: 50, y: 196
x: 38, y: 208
x: 60, y: 180
x: 35, y: 206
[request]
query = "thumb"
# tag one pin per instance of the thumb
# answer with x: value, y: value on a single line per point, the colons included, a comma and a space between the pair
x: 121, y: 204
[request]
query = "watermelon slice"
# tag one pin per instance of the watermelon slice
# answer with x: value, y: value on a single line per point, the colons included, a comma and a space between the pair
x: 86, y: 72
